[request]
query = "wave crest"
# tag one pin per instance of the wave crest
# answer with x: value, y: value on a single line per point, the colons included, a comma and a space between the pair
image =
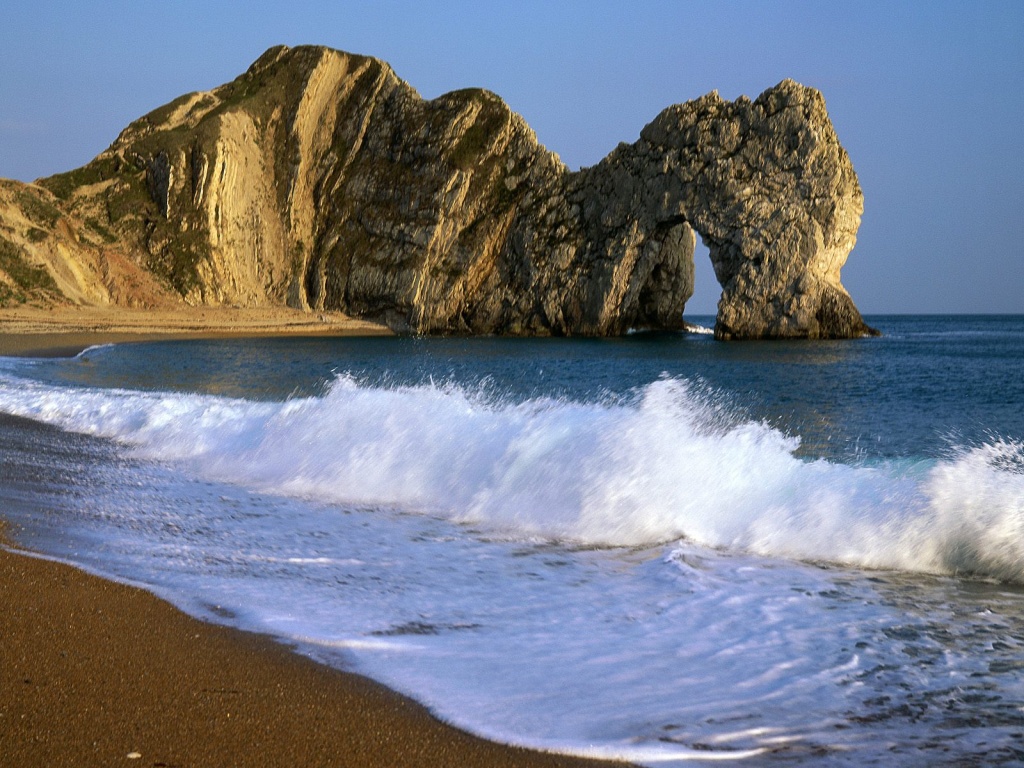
x: 670, y: 463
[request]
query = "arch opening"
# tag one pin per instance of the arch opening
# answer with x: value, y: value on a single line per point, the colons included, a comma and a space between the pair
x: 706, y: 290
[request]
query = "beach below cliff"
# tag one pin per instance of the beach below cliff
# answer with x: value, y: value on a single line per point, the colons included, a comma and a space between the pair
x: 63, y: 330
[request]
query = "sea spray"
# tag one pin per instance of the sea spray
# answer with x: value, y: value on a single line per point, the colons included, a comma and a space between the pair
x: 977, y: 523
x: 667, y: 462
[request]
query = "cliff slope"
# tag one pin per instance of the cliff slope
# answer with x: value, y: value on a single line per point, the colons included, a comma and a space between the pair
x: 320, y: 180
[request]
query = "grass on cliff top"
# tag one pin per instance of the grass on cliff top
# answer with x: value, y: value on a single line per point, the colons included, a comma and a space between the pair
x: 63, y: 185
x: 161, y: 115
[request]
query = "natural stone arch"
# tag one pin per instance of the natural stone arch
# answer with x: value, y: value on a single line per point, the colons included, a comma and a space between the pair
x: 321, y: 179
x: 610, y: 248
x: 770, y: 191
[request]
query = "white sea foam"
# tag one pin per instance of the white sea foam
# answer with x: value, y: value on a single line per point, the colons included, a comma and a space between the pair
x: 667, y: 464
x: 692, y: 650
x: 93, y: 348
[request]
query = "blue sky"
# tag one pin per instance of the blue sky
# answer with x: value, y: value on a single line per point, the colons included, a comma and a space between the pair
x: 927, y: 97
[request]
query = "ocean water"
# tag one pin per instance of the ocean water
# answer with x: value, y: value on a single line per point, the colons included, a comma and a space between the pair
x: 659, y: 548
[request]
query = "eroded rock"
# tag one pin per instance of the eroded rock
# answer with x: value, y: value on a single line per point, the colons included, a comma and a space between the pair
x: 322, y: 180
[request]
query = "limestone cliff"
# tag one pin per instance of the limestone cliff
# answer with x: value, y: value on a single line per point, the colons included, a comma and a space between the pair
x: 321, y: 180
x: 49, y: 257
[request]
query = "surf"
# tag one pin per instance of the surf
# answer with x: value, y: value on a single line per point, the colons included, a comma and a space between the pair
x: 668, y: 461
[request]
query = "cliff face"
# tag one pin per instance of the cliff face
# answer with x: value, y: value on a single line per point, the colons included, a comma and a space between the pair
x: 776, y: 200
x: 49, y: 257
x: 321, y: 180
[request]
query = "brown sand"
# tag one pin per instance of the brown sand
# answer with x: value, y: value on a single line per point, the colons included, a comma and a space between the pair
x: 94, y: 673
x: 67, y: 330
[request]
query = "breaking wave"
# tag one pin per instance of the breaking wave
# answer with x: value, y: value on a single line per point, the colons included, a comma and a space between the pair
x: 667, y: 463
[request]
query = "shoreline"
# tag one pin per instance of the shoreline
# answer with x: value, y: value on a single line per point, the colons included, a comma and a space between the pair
x: 96, y: 672
x: 66, y: 331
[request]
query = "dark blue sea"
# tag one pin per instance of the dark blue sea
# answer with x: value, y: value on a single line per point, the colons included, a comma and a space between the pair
x: 660, y: 547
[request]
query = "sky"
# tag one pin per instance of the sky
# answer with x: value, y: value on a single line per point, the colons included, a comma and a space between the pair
x: 926, y: 97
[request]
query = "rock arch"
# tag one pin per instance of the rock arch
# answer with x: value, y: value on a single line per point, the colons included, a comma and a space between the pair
x: 610, y: 248
x: 770, y: 191
x: 322, y: 180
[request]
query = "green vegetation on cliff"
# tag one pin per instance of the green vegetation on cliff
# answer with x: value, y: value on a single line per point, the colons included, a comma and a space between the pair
x: 25, y: 283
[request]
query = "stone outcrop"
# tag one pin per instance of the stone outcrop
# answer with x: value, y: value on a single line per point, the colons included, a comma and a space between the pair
x: 48, y: 257
x: 322, y: 180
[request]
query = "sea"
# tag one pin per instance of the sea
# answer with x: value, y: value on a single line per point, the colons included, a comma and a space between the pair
x: 659, y: 548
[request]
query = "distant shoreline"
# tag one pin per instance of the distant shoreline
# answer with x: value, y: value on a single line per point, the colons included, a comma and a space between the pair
x: 65, y: 331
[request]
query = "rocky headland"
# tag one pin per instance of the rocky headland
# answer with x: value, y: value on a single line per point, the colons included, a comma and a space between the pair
x: 319, y: 180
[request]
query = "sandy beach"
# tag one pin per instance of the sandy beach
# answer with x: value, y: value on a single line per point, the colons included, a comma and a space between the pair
x: 66, y: 330
x: 96, y: 673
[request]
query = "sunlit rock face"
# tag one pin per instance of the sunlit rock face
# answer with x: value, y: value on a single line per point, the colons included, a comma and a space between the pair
x: 321, y: 180
x: 776, y: 200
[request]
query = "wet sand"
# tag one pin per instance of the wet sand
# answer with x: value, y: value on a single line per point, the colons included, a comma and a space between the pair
x: 95, y: 673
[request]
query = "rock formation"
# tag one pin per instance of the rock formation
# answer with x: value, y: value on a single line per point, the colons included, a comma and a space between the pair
x: 321, y: 180
x: 49, y: 257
